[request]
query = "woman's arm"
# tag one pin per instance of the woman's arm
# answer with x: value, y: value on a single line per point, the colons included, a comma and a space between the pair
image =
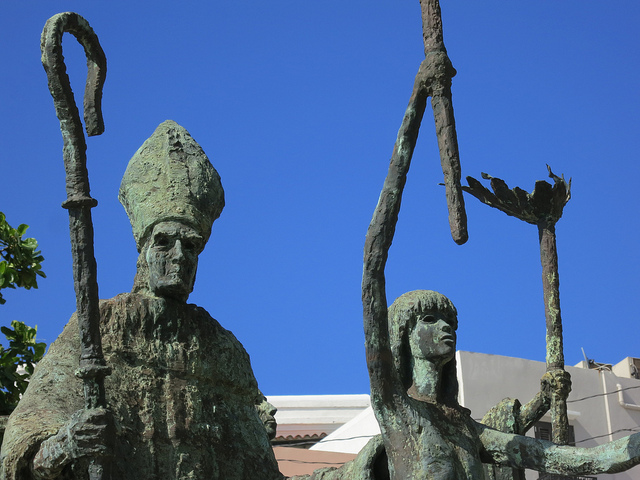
x: 526, y: 452
x: 376, y: 248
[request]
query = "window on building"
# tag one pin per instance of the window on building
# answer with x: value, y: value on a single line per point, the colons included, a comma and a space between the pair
x: 542, y: 430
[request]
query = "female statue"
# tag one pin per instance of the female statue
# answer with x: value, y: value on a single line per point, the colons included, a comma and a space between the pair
x: 410, y: 356
x: 427, y: 434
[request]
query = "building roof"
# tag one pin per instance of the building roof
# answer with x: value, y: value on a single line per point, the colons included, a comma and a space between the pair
x: 298, y: 461
x: 305, y: 419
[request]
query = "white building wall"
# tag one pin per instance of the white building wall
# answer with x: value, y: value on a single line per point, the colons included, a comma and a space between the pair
x: 484, y: 381
x: 301, y: 415
x: 487, y: 379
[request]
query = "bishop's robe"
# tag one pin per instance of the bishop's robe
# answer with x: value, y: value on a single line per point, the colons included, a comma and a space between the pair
x: 182, y: 393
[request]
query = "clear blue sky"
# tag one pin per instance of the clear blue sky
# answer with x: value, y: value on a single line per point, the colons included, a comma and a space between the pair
x: 297, y: 105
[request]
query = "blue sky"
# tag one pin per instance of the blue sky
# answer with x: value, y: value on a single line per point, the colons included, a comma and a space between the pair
x: 297, y: 104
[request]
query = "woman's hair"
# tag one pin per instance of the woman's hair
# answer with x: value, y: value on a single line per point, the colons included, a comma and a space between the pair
x: 402, y: 317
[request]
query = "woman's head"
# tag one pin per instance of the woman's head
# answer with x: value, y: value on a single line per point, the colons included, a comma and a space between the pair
x: 422, y: 324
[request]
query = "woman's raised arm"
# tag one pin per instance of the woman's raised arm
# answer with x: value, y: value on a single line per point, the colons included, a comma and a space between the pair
x: 377, y: 243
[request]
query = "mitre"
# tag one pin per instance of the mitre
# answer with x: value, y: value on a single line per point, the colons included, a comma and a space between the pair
x: 170, y: 178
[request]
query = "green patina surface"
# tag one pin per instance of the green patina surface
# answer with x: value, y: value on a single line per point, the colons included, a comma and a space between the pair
x: 171, y: 178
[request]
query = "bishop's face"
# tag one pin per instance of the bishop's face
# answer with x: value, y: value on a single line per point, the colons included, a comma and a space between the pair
x: 434, y: 336
x: 172, y: 256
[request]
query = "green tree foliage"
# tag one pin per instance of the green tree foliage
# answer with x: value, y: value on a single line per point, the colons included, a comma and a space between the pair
x: 23, y: 353
x: 20, y: 263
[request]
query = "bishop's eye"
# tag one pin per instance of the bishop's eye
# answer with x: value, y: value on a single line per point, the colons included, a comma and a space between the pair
x: 193, y: 245
x: 161, y: 241
x: 189, y: 245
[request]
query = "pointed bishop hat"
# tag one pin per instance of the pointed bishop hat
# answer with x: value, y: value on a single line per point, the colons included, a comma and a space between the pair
x: 170, y: 179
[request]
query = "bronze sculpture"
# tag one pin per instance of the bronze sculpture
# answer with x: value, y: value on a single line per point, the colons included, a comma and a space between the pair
x: 409, y: 349
x: 543, y: 207
x: 79, y: 202
x: 427, y: 434
x: 179, y: 234
x: 182, y: 393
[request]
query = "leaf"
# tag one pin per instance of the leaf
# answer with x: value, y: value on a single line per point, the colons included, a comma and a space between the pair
x: 22, y: 229
x: 39, y: 350
x: 7, y: 331
x: 21, y: 261
x: 23, y: 351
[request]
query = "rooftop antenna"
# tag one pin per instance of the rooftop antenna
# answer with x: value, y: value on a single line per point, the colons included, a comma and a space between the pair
x: 586, y: 359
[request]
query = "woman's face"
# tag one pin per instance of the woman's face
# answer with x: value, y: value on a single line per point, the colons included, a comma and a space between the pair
x: 434, y: 336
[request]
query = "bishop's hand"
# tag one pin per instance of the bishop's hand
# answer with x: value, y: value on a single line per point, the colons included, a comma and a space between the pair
x: 89, y: 433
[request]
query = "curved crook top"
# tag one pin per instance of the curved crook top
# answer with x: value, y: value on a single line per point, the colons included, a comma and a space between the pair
x: 59, y: 86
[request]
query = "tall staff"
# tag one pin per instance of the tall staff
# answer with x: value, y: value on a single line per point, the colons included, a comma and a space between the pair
x: 543, y: 207
x: 436, y: 72
x: 93, y: 368
x: 432, y: 80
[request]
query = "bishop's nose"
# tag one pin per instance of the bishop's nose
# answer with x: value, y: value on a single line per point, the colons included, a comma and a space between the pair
x: 178, y: 252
